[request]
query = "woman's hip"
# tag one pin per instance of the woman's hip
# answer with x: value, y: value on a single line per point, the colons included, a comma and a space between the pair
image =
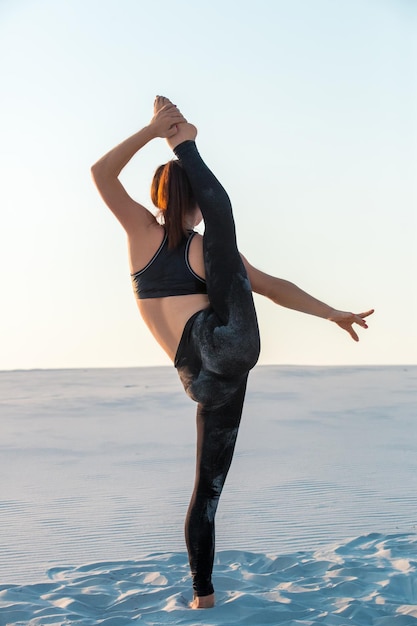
x: 211, y: 361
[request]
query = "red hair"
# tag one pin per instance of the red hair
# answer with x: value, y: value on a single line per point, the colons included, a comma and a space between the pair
x: 171, y: 193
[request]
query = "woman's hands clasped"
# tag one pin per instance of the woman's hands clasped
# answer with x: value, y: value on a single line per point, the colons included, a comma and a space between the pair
x: 165, y: 120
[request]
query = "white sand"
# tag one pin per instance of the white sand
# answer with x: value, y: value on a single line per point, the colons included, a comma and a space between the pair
x: 316, y: 524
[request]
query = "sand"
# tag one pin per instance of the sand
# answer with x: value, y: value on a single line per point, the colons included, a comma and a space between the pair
x: 317, y: 522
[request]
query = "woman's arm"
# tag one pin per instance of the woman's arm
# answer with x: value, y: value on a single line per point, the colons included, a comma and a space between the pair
x: 288, y: 295
x: 105, y: 172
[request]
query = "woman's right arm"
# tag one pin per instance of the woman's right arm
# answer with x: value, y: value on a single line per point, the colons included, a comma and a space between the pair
x: 105, y: 172
x: 290, y: 296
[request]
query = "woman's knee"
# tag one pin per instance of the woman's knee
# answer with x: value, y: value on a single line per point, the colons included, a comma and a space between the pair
x: 238, y: 354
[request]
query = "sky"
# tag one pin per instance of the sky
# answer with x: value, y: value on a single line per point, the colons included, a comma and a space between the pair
x: 306, y: 111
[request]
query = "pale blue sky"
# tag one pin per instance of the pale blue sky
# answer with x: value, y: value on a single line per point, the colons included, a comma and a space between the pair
x: 306, y: 111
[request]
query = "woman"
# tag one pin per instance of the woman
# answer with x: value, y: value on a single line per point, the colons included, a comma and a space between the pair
x: 195, y: 295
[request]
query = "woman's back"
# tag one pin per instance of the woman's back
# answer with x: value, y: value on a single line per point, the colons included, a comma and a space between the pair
x: 166, y: 316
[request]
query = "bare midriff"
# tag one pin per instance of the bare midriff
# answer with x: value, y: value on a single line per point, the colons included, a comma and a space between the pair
x: 166, y: 317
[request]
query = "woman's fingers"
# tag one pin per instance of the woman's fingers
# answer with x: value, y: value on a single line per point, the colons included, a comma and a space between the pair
x: 171, y: 109
x: 353, y: 334
x: 166, y: 119
x: 169, y: 112
x: 360, y: 318
x: 346, y: 320
x: 172, y: 131
x: 367, y: 313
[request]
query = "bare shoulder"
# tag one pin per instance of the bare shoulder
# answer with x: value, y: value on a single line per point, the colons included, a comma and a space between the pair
x: 143, y: 245
x: 195, y: 255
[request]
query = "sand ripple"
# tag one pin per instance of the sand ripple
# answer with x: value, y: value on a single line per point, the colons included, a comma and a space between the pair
x: 371, y: 579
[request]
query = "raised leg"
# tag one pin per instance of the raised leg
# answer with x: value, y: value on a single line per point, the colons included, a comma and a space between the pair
x: 228, y: 287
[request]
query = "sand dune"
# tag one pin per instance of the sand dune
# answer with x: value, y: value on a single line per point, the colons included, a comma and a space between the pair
x: 316, y: 524
x: 368, y: 580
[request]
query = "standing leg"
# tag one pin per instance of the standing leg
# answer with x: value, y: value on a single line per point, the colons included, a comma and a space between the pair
x: 217, y: 430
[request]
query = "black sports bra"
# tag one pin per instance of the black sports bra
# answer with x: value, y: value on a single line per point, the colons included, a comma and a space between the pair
x: 168, y: 273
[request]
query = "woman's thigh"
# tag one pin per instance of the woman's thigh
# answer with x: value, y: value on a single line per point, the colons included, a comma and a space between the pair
x: 210, y: 360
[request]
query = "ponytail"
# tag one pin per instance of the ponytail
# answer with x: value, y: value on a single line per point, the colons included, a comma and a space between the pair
x: 171, y: 193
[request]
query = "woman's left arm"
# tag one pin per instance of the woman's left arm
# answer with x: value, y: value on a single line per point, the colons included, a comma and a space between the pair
x: 290, y: 296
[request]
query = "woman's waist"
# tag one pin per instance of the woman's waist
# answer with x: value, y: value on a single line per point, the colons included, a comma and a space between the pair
x: 167, y: 317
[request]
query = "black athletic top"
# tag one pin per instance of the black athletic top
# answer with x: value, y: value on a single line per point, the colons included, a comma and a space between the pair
x: 168, y: 273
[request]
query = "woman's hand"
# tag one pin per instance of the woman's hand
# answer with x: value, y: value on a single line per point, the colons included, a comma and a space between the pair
x: 181, y: 130
x: 346, y: 320
x: 165, y: 120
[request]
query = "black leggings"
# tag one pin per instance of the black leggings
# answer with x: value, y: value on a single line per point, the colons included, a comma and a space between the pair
x: 218, y: 347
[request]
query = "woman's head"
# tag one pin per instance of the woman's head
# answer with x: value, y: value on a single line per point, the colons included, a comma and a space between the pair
x: 171, y: 193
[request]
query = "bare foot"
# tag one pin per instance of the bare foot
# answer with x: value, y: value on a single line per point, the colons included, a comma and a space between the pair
x: 185, y: 130
x: 202, y: 602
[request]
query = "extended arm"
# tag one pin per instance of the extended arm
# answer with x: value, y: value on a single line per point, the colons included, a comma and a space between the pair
x: 105, y: 172
x: 290, y: 296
